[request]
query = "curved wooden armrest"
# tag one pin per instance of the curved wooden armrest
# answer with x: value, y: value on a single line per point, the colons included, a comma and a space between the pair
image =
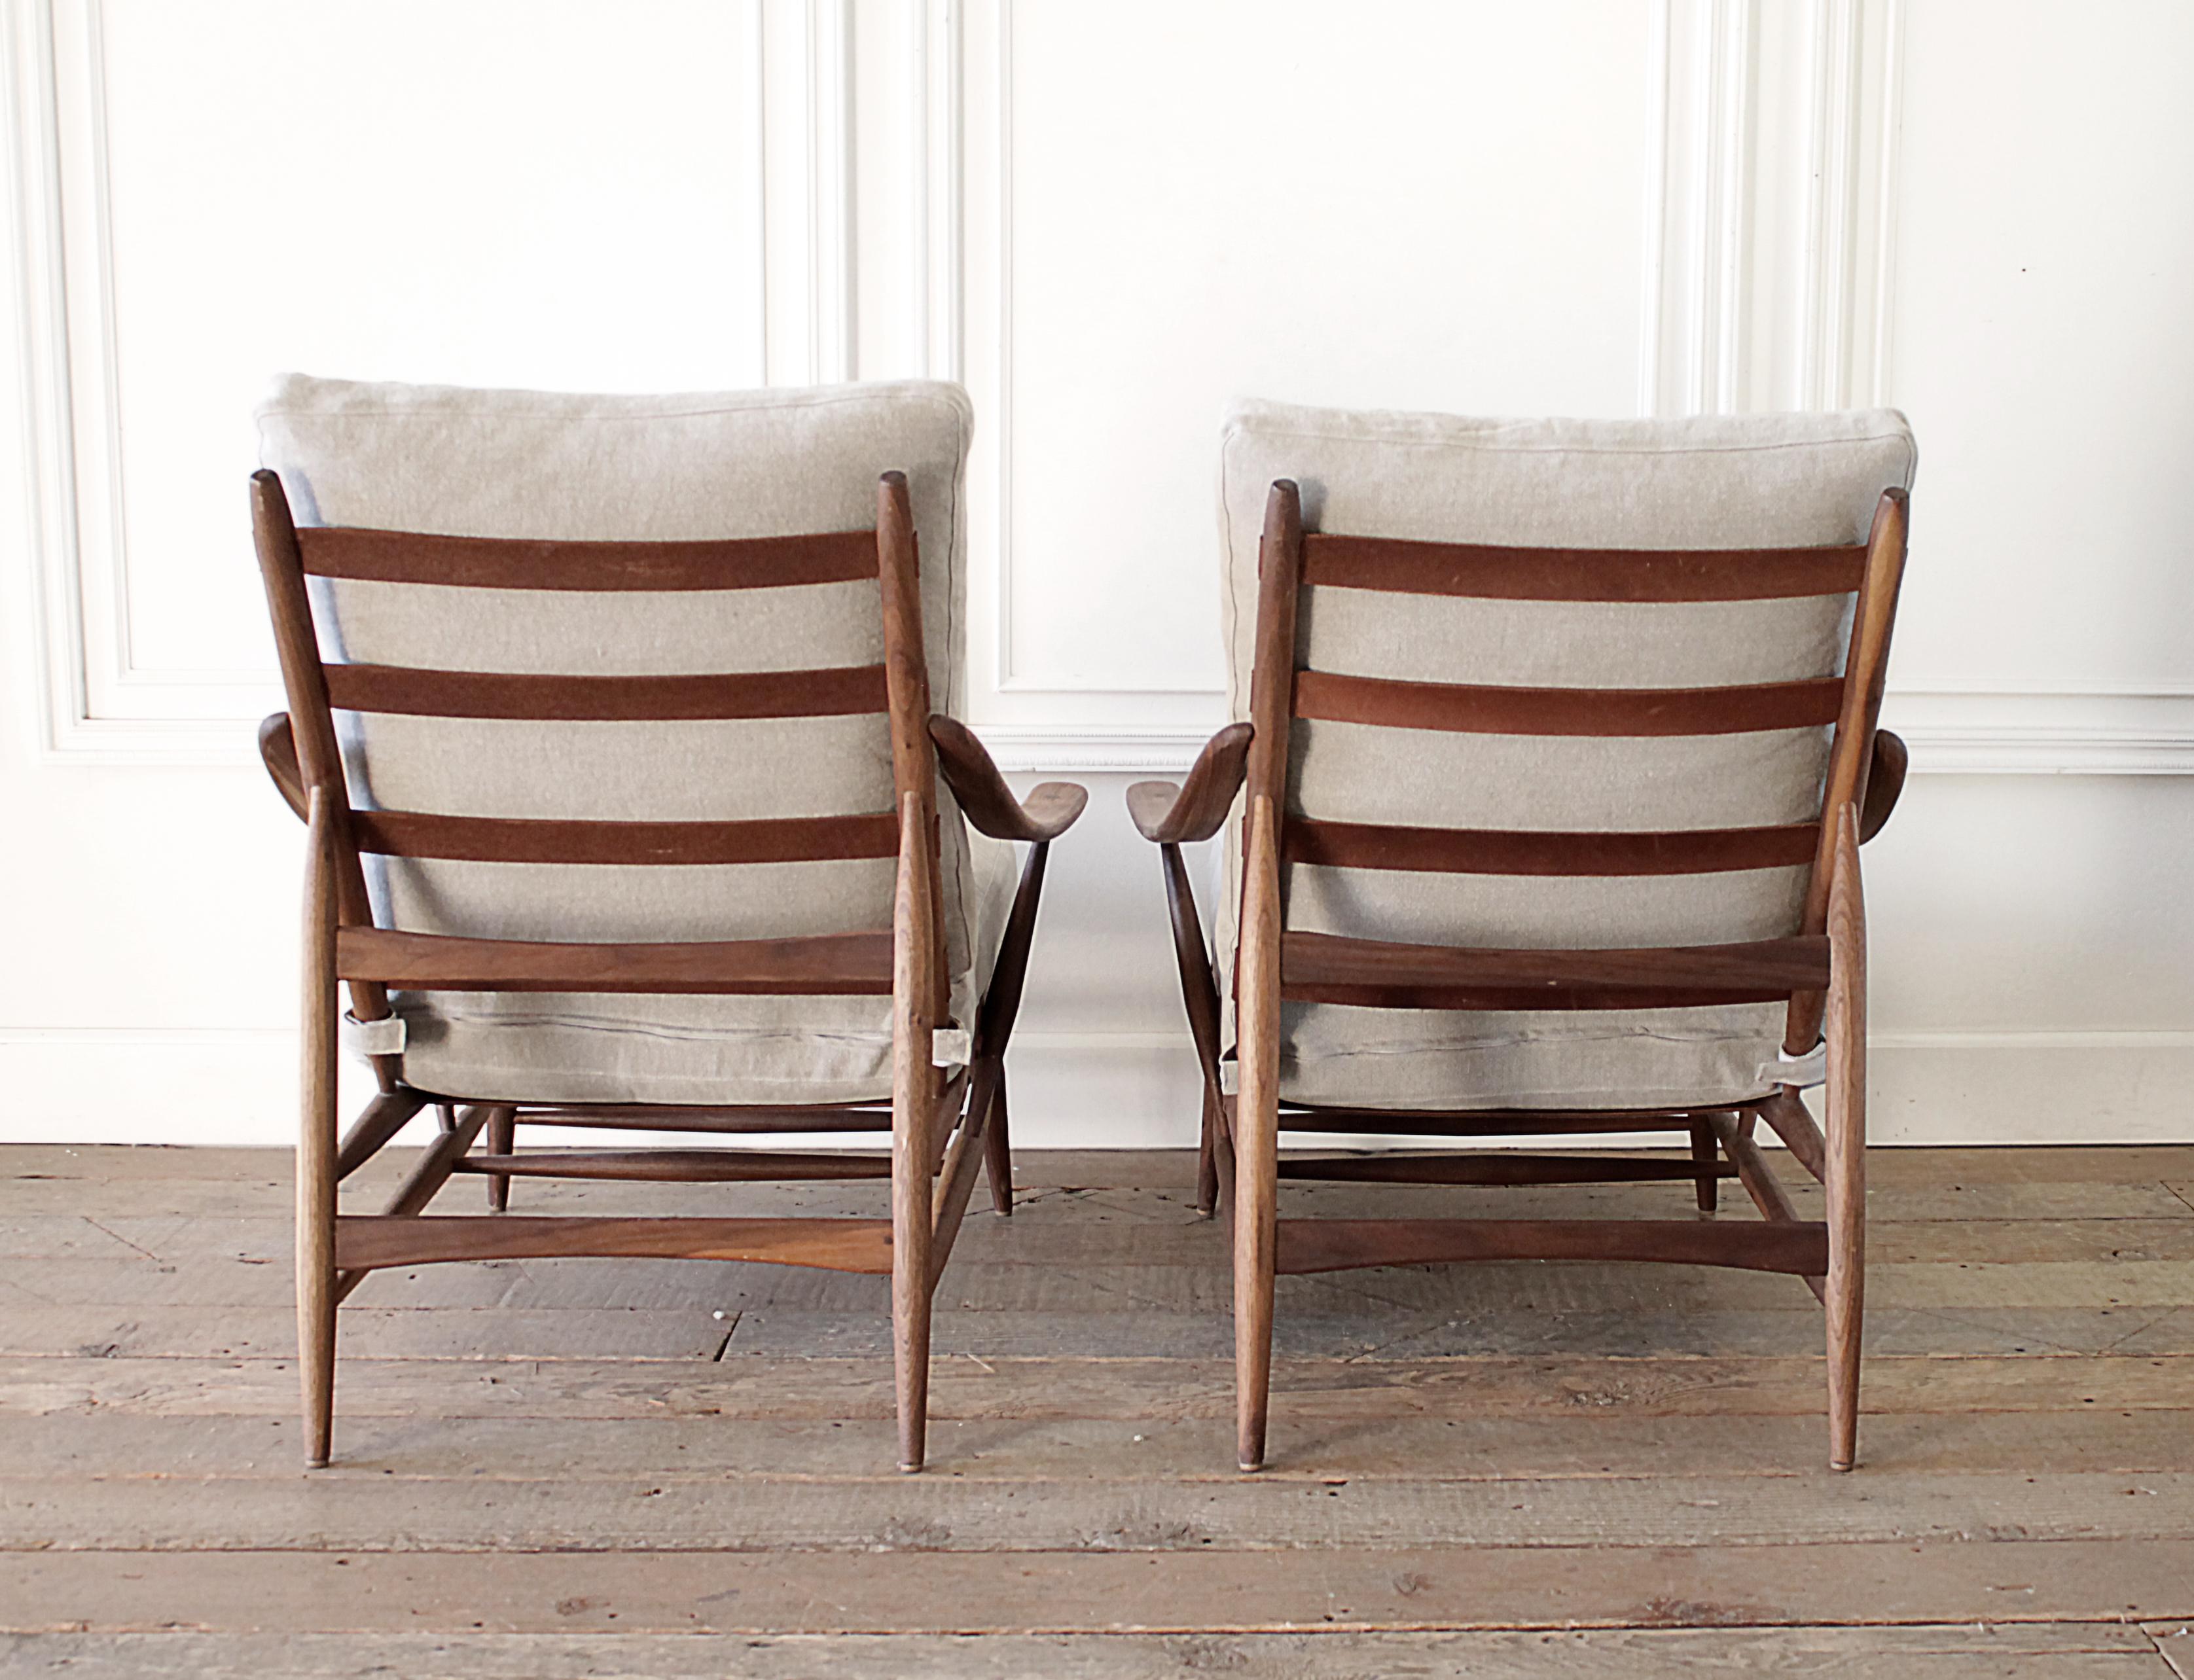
x: 1194, y: 811
x: 986, y: 801
x: 1884, y: 782
x: 277, y: 750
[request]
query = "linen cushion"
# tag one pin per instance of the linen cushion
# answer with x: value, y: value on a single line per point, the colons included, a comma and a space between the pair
x: 1716, y: 482
x: 742, y: 464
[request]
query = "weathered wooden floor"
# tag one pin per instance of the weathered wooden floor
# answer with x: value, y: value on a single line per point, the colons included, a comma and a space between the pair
x: 569, y: 1468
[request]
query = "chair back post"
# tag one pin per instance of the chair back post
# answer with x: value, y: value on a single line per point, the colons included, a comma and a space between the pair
x: 1866, y: 666
x: 1271, y: 678
x: 312, y: 730
x: 1258, y: 974
x: 906, y: 679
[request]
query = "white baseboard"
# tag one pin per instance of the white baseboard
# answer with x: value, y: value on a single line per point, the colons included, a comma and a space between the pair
x: 1105, y: 1090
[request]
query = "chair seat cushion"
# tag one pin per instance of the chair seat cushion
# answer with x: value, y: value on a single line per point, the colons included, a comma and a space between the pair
x: 548, y: 1048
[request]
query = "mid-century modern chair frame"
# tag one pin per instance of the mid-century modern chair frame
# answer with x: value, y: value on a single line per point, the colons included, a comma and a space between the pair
x: 942, y: 1123
x: 1820, y: 971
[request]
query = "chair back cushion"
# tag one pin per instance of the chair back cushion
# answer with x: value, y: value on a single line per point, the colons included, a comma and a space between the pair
x: 1751, y: 481
x: 532, y: 465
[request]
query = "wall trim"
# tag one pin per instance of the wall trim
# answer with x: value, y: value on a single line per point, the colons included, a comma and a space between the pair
x: 1741, y: 312
x: 2003, y: 729
x: 95, y: 700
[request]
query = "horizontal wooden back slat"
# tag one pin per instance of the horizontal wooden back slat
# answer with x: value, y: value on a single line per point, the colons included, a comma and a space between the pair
x: 518, y: 563
x: 824, y: 965
x: 831, y: 692
x: 509, y: 839
x: 1529, y: 851
x: 1390, y: 564
x: 1335, y: 698
x: 1779, y: 965
x: 1488, y: 998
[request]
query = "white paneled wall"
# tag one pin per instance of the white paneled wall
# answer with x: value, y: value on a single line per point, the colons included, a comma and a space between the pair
x: 1109, y: 220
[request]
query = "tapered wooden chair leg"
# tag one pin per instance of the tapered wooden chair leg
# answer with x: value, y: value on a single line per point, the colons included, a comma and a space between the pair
x: 998, y: 1153
x: 501, y: 1139
x: 913, y: 1197
x: 910, y: 1298
x: 1706, y: 1155
x: 316, y: 1144
x: 1256, y: 1177
x: 1257, y: 1138
x: 1846, y: 1179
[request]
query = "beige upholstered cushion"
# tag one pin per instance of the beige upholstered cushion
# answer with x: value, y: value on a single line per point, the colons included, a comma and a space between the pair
x: 1725, y: 482
x: 526, y: 464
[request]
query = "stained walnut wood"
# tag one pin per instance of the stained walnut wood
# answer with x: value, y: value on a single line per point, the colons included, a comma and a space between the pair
x: 278, y: 751
x: 1476, y: 1122
x: 819, y: 965
x: 311, y: 728
x: 1254, y: 1119
x: 1783, y: 1110
x: 518, y: 563
x: 379, y: 1121
x: 1865, y: 773
x: 1412, y: 567
x: 317, y: 1149
x: 913, y: 1208
x: 985, y: 800
x: 1335, y: 1245
x: 679, y: 1166
x: 1866, y: 669
x: 1885, y: 781
x: 831, y: 692
x: 1501, y: 1167
x: 647, y: 1117
x: 1194, y: 811
x: 366, y: 1240
x: 1526, y: 852
x: 1462, y: 708
x: 1330, y: 968
x: 908, y: 964
x: 1846, y: 1177
x: 528, y: 839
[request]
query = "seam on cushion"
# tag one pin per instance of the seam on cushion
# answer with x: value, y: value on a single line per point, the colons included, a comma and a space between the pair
x: 1234, y: 431
x: 653, y: 1032
x: 593, y: 417
x: 497, y: 1072
x: 824, y: 397
x: 1524, y: 1041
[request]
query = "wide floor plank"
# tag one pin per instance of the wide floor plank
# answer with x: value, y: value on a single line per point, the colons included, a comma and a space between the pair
x: 902, y: 1590
x: 962, y: 1508
x: 2078, y: 1651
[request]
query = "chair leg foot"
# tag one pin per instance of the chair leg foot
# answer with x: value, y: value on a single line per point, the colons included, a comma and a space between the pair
x: 316, y: 1370
x: 998, y: 1153
x: 1207, y: 1169
x: 1256, y: 1239
x: 1706, y: 1156
x: 911, y: 1349
x: 501, y: 1139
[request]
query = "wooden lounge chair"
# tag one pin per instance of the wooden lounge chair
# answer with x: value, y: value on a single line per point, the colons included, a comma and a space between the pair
x: 1556, y: 746
x: 610, y: 720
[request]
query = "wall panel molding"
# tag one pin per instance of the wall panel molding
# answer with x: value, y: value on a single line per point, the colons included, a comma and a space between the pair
x: 991, y: 172
x: 95, y: 700
x: 1740, y: 310
x: 1757, y: 106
